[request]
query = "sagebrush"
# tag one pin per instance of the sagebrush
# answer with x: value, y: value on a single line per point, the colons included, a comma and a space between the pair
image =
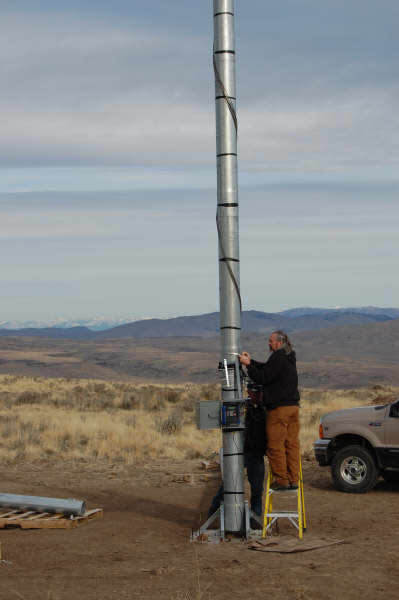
x: 89, y: 420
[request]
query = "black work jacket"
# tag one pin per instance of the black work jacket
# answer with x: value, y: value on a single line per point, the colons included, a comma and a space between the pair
x: 279, y: 379
x: 255, y: 430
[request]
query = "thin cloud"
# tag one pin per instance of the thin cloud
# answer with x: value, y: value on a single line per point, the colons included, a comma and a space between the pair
x: 81, y: 91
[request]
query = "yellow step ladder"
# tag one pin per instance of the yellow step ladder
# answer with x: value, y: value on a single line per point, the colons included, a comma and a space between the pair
x: 297, y: 518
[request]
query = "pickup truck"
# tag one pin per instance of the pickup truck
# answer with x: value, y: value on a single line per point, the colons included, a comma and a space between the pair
x: 360, y: 444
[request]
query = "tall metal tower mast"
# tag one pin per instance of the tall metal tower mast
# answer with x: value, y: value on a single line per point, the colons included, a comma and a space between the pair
x: 229, y: 265
x: 227, y: 186
x: 233, y: 513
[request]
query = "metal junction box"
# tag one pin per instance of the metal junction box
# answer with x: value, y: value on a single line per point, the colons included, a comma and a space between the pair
x: 208, y: 415
x: 233, y: 416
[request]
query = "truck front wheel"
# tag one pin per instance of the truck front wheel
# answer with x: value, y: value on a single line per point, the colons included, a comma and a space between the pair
x: 354, y: 470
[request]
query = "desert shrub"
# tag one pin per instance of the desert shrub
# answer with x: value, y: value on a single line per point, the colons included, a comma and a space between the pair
x: 78, y: 390
x: 10, y: 379
x: 171, y: 423
x: 6, y: 399
x: 65, y: 442
x: 127, y: 401
x: 8, y: 425
x: 28, y: 397
x: 313, y: 418
x: 189, y: 403
x: 173, y: 396
x: 155, y: 403
x: 311, y: 396
x: 100, y: 388
x: 139, y: 399
x: 100, y: 402
x: 150, y: 398
x: 384, y: 399
x: 210, y: 392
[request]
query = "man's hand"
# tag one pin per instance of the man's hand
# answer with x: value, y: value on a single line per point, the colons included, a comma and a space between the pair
x: 245, y: 358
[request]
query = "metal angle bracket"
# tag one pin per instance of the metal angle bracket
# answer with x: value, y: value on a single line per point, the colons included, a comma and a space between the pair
x: 204, y: 534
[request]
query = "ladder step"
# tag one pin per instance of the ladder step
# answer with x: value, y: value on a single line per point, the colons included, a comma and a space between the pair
x: 280, y: 492
x: 282, y: 513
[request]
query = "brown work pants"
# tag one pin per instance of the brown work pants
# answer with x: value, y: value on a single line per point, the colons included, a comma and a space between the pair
x: 282, y: 429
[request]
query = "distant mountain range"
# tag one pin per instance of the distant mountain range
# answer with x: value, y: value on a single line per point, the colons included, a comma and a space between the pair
x: 333, y: 357
x: 207, y: 325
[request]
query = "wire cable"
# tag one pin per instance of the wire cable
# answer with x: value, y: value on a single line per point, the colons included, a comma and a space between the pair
x: 224, y: 93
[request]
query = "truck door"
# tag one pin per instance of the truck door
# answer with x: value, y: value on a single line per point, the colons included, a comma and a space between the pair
x: 391, y: 434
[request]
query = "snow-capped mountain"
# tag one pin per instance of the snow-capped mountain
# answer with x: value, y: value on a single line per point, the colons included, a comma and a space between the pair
x: 95, y: 323
x: 296, y: 319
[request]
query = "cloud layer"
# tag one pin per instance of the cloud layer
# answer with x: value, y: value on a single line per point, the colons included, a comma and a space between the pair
x: 317, y: 88
x: 116, y: 99
x: 155, y: 253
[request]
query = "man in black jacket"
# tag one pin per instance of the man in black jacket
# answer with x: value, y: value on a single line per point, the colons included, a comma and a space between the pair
x: 279, y: 379
x: 254, y: 451
x: 255, y: 445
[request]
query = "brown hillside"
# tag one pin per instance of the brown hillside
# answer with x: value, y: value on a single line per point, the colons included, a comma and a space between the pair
x: 337, y: 357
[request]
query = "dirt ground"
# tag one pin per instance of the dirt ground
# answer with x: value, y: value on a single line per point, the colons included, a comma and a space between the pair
x: 141, y: 548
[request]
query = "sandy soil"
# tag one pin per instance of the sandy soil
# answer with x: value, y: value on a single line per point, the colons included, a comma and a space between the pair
x: 141, y: 548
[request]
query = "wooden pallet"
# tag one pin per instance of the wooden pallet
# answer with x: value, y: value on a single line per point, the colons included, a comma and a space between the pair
x: 43, y: 520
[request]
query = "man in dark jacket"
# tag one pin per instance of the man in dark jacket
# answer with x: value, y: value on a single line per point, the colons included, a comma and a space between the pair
x: 254, y: 451
x: 279, y: 379
x: 255, y: 445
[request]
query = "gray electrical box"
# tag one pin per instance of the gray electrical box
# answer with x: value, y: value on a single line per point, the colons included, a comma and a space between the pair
x: 208, y: 415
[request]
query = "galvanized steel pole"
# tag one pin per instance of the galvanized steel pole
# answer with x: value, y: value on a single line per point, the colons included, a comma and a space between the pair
x: 68, y: 506
x: 227, y: 225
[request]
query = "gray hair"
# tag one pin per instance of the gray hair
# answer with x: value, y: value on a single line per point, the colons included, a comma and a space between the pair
x: 283, y: 337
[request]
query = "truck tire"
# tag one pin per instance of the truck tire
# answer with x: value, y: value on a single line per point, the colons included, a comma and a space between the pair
x: 354, y: 470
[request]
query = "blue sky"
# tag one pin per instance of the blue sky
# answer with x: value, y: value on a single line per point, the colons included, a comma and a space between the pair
x: 107, y: 156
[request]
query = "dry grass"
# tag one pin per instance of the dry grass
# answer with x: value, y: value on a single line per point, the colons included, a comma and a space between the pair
x: 88, y: 419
